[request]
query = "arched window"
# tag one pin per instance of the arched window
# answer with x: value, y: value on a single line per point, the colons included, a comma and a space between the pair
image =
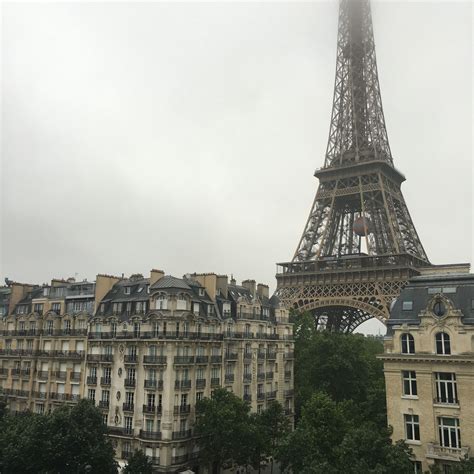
x: 408, y: 344
x: 443, y: 343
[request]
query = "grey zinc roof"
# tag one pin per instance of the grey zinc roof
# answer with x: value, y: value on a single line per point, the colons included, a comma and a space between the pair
x: 169, y: 281
x: 417, y: 292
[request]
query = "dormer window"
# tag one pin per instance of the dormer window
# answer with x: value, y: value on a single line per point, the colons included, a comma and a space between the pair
x: 128, y: 290
x: 407, y: 305
x: 196, y: 308
x: 201, y: 291
x: 210, y: 310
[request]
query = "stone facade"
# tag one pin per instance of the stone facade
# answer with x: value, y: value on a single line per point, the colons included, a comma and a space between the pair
x: 145, y: 350
x: 429, y: 369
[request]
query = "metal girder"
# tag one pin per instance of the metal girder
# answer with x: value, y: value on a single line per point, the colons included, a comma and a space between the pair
x: 358, y: 180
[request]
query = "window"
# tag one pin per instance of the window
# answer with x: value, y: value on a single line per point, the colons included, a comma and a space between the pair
x: 417, y: 467
x: 446, y: 388
x: 105, y: 396
x: 129, y: 398
x: 439, y: 308
x: 407, y: 305
x: 49, y: 326
x: 412, y: 427
x: 409, y: 383
x: 443, y: 344
x: 91, y: 394
x: 128, y: 424
x: 136, y: 329
x: 161, y: 302
x: 196, y: 308
x: 56, y: 307
x: 449, y: 432
x: 181, y: 303
x: 199, y: 396
x: 38, y: 308
x: 408, y: 344
x: 104, y: 419
x: 128, y: 290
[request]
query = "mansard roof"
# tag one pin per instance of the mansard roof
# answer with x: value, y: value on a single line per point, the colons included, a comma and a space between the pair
x: 458, y: 288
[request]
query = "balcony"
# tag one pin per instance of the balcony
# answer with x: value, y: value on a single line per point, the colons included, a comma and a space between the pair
x: 43, y: 374
x: 181, y: 434
x: 154, y: 359
x: 179, y: 459
x: 260, y: 396
x: 65, y: 396
x: 128, y: 406
x: 261, y: 376
x: 91, y: 380
x: 229, y: 378
x: 247, y: 377
x: 130, y: 358
x: 261, y: 355
x: 435, y: 451
x: 76, y: 376
x: 247, y: 397
x: 200, y: 383
x: 271, y: 355
x: 129, y: 383
x: 104, y: 404
x: 93, y: 357
x: 446, y: 401
x: 247, y: 356
x: 3, y: 372
x: 182, y: 384
x: 184, y: 359
x: 118, y: 431
x: 60, y: 374
x: 289, y: 356
x: 16, y: 372
x: 106, y: 357
x: 149, y: 408
x: 231, y: 356
x: 182, y: 409
x: 287, y: 374
x: 17, y: 393
x: 150, y: 435
x: 42, y: 395
x: 289, y: 393
x: 215, y: 382
x: 202, y: 359
x: 216, y: 359
x: 269, y: 376
x: 105, y: 381
x: 271, y: 395
x: 153, y: 384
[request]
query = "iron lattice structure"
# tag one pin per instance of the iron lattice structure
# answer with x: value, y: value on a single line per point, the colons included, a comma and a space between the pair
x: 359, y: 246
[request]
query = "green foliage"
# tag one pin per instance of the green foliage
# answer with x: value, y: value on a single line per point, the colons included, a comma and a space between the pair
x: 466, y: 466
x: 67, y: 441
x: 340, y: 406
x: 327, y: 440
x: 230, y: 435
x: 138, y: 463
x: 342, y: 365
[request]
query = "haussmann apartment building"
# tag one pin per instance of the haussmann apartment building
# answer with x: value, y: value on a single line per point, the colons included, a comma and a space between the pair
x: 145, y: 350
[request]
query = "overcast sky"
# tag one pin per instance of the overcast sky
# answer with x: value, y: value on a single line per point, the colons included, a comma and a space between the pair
x: 184, y: 136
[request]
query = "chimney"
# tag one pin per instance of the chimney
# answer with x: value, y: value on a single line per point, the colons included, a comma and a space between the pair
x: 103, y: 284
x: 18, y: 292
x: 208, y: 281
x: 249, y: 285
x: 156, y: 275
x: 262, y: 290
x: 222, y: 285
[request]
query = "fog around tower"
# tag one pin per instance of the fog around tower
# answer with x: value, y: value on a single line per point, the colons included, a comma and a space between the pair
x: 184, y: 136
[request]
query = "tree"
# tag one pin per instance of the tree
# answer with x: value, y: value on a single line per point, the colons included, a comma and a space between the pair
x: 72, y: 439
x: 466, y: 466
x: 226, y: 432
x: 342, y: 365
x: 273, y: 427
x: 327, y: 440
x: 138, y: 463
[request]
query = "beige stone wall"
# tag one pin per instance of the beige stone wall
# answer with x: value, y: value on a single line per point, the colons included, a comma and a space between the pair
x: 425, y: 362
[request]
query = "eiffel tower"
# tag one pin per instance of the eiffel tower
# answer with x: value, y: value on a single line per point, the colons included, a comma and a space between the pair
x: 359, y: 246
